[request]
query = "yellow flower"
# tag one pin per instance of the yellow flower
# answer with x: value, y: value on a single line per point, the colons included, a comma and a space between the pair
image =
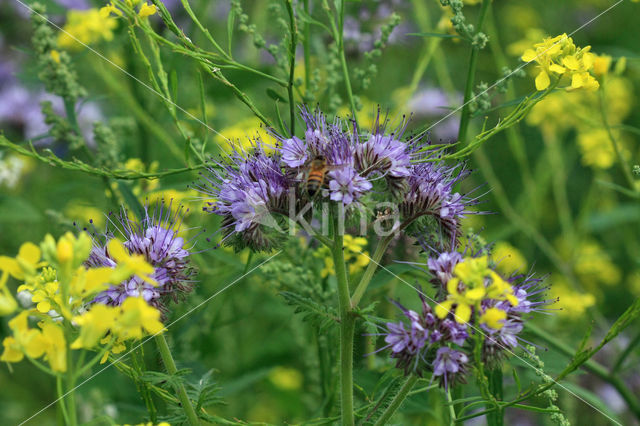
x: 601, y: 64
x: 94, y: 324
x: 55, y: 55
x: 472, y: 282
x: 86, y: 27
x: 147, y: 10
x: 55, y: 346
x: 508, y: 257
x: 571, y: 303
x: 129, y: 264
x: 286, y: 378
x: 8, y: 304
x: 137, y: 317
x: 108, y: 10
x: 25, y: 264
x: 494, y: 318
x: 12, y: 352
x: 559, y: 56
x: 118, y: 347
x: 355, y: 256
x: 596, y: 149
x: 242, y: 134
x: 83, y: 213
x: 592, y: 263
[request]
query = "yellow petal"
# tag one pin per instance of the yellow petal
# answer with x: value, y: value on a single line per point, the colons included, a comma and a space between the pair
x: 442, y: 309
x: 542, y: 80
x: 463, y: 313
x: 571, y: 62
x: 30, y: 253
x: 452, y: 285
x: 529, y: 55
x: 475, y: 294
x: 557, y: 68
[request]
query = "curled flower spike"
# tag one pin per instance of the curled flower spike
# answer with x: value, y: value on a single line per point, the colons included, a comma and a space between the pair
x: 258, y: 187
x: 153, y: 251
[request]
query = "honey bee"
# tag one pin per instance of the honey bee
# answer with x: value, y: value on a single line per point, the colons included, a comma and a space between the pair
x: 316, y: 175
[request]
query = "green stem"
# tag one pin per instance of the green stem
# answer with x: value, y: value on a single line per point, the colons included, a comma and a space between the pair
x: 338, y: 35
x: 593, y: 367
x: 626, y: 170
x: 559, y: 185
x: 347, y: 327
x: 307, y: 49
x: 61, y: 400
x: 620, y: 361
x: 452, y: 409
x: 471, y: 75
x: 292, y: 65
x: 69, y: 390
x: 170, y: 365
x: 496, y: 418
x: 371, y: 269
x: 397, y: 400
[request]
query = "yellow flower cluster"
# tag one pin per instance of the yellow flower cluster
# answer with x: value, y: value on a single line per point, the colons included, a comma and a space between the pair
x: 144, y: 11
x: 60, y: 286
x: 86, y: 27
x: 242, y: 133
x: 559, y: 56
x: 472, y: 282
x: 580, y: 111
x: 571, y: 303
x: 355, y: 256
x: 508, y: 258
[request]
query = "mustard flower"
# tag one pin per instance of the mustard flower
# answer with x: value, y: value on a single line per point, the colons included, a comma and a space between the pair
x: 86, y: 27
x: 472, y: 282
x: 559, y: 56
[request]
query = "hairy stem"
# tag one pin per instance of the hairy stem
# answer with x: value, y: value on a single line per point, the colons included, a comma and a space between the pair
x: 170, y: 365
x: 397, y: 400
x: 347, y: 326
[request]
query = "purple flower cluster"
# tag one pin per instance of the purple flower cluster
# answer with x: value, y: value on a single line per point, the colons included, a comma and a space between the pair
x: 442, y: 346
x: 256, y: 186
x: 156, y: 237
x: 425, y: 344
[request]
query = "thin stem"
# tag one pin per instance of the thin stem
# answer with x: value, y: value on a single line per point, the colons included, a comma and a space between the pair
x: 620, y: 361
x: 496, y: 418
x: 452, y: 409
x: 292, y: 65
x: 69, y: 390
x: 471, y: 76
x: 61, y: 399
x: 338, y: 35
x: 591, y: 366
x: 371, y: 269
x: 307, y: 48
x: 347, y: 326
x: 626, y: 170
x: 559, y: 184
x: 397, y: 400
x: 170, y: 365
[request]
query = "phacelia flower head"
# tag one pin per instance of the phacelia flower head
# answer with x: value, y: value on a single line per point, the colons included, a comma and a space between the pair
x: 415, y: 346
x: 256, y: 188
x: 157, y: 238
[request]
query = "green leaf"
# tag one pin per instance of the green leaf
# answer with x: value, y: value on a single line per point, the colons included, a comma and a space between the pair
x: 276, y: 96
x: 317, y: 314
x: 131, y: 200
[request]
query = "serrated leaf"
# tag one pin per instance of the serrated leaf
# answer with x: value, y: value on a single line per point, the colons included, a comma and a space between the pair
x: 317, y: 314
